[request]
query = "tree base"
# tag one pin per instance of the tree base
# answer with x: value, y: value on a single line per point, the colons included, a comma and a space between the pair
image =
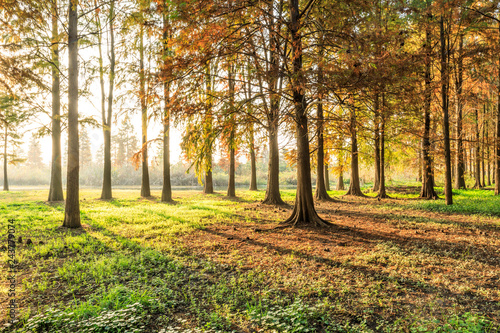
x: 274, y: 201
x: 309, y: 219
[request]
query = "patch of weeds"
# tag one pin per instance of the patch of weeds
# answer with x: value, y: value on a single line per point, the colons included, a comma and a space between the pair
x: 466, y: 323
x: 131, y: 319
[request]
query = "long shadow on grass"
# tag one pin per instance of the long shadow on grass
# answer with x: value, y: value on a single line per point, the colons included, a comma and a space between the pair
x: 472, y: 299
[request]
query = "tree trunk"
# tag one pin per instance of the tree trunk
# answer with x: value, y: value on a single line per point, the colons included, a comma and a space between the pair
x: 354, y: 187
x: 483, y: 171
x: 321, y: 193
x: 376, y: 182
x: 488, y: 158
x: 5, y: 161
x: 166, y: 191
x: 231, y: 187
x: 340, y: 182
x: 327, y: 178
x: 460, y: 179
x: 477, y: 165
x: 56, y: 186
x: 382, y: 194
x: 145, y: 189
x: 208, y: 185
x: 253, y: 160
x: 304, y: 212
x: 106, y: 193
x: 273, y: 196
x: 446, y: 122
x: 72, y: 209
x: 427, y: 190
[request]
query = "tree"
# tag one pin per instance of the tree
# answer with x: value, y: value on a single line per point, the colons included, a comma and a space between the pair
x: 56, y: 186
x: 72, y: 209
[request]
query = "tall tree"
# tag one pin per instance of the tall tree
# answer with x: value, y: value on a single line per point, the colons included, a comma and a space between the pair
x: 145, y: 188
x: 303, y: 211
x: 56, y: 186
x: 72, y: 209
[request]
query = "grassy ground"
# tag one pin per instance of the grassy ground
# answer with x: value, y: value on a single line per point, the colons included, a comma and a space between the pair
x: 207, y: 263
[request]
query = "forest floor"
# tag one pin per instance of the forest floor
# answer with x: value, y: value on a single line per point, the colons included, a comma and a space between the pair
x: 209, y: 263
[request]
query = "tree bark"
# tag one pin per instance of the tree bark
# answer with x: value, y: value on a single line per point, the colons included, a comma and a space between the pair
x: 208, y: 186
x: 354, y: 187
x: 106, y: 193
x: 427, y: 190
x: 231, y: 186
x: 145, y: 188
x: 382, y: 193
x: 321, y: 193
x: 477, y: 165
x: 56, y: 186
x: 5, y: 161
x: 72, y: 209
x: 460, y: 179
x: 253, y: 160
x: 483, y: 171
x: 376, y: 182
x: 327, y: 178
x: 166, y: 191
x: 446, y: 122
x: 304, y: 212
x: 273, y: 196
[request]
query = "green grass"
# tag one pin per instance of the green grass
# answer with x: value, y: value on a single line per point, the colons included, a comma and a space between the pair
x: 126, y: 271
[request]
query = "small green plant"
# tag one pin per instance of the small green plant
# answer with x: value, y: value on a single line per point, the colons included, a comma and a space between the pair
x: 129, y: 319
x: 296, y: 317
x: 466, y: 323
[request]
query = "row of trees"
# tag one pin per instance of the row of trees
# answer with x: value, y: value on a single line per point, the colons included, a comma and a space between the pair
x: 331, y: 76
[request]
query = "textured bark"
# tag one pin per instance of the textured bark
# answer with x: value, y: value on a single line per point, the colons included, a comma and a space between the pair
x: 253, y: 160
x: 327, y: 178
x: 166, y: 191
x: 56, y: 186
x: 321, y: 193
x: 382, y: 193
x: 446, y: 122
x: 354, y: 186
x: 497, y: 141
x: 106, y: 193
x: 460, y: 166
x: 5, y: 162
x: 231, y: 186
x: 72, y: 209
x: 483, y: 171
x: 145, y: 188
x: 304, y: 212
x: 376, y: 137
x: 427, y: 190
x: 273, y: 196
x: 477, y: 154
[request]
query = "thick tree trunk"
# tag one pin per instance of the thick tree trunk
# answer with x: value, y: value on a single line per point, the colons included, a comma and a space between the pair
x: 460, y: 179
x: 253, y: 160
x: 145, y: 188
x: 166, y: 191
x: 5, y: 158
x: 483, y: 148
x: 376, y: 182
x: 354, y: 186
x: 446, y: 122
x: 56, y: 186
x: 304, y: 212
x: 497, y: 141
x: 72, y: 209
